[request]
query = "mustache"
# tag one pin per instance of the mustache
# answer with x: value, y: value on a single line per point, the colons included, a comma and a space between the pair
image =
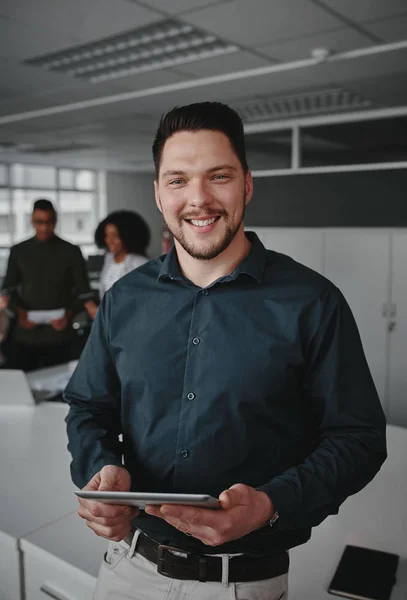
x: 208, y: 214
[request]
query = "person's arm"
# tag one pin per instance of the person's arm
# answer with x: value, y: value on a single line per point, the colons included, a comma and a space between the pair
x: 10, y: 283
x: 340, y: 393
x: 83, y: 291
x: 93, y: 392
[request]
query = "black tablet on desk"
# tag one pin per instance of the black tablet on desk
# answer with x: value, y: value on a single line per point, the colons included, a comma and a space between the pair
x: 364, y: 574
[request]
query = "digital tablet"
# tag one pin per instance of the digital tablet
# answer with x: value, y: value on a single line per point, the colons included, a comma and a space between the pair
x: 140, y: 499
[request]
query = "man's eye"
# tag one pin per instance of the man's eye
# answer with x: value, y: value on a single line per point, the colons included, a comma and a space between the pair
x: 220, y: 177
x: 176, y: 181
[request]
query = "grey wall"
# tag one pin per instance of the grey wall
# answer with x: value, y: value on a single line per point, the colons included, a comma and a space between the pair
x: 359, y: 199
x: 135, y: 192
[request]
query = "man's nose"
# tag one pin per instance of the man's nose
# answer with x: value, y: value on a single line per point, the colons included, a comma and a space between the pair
x: 200, y: 194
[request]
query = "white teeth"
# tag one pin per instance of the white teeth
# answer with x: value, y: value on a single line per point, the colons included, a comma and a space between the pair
x: 203, y: 223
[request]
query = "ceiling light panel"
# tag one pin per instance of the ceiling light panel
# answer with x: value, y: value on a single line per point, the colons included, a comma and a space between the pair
x: 157, y: 46
x: 305, y: 104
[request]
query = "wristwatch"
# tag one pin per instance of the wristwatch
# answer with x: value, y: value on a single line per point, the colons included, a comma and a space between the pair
x: 274, y: 518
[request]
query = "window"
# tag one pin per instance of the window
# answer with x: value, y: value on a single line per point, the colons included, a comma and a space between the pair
x: 5, y: 218
x: 33, y: 176
x: 3, y: 175
x: 77, y: 198
x: 77, y: 221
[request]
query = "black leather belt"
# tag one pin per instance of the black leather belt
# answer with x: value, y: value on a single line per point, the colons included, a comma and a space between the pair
x: 201, y: 567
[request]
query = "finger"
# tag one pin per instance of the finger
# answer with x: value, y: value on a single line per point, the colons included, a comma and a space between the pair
x: 154, y: 510
x: 115, y: 534
x: 84, y: 513
x: 102, y: 509
x: 234, y: 496
x: 190, y: 514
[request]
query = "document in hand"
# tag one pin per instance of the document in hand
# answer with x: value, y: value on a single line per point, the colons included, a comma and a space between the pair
x: 43, y: 317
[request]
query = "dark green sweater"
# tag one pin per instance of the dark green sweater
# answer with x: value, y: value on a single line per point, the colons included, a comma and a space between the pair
x: 45, y: 276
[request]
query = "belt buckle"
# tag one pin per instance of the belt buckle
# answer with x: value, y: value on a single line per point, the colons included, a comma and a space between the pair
x: 162, y: 549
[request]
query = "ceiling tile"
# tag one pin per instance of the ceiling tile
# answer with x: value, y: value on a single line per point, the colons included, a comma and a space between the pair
x: 257, y: 22
x: 175, y: 7
x: 143, y: 81
x: 367, y: 10
x: 86, y: 21
x: 337, y: 41
x: 390, y: 30
x: 20, y: 41
x: 228, y: 63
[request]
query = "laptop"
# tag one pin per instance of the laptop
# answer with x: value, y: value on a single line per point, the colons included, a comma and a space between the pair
x: 14, y: 388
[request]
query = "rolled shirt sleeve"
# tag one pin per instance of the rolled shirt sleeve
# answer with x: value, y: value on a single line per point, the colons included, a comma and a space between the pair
x: 93, y: 393
x: 352, y: 446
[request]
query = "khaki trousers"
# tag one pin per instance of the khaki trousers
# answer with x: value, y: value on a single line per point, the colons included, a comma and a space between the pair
x: 126, y: 575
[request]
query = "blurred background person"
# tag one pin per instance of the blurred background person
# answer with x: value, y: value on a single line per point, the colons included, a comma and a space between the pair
x: 125, y: 235
x: 44, y: 273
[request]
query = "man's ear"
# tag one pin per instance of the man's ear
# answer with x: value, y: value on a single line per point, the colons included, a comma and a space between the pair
x: 248, y: 187
x: 157, y: 197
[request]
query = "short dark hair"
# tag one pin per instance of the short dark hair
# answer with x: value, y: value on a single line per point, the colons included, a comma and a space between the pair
x: 133, y: 231
x: 214, y: 116
x: 44, y: 204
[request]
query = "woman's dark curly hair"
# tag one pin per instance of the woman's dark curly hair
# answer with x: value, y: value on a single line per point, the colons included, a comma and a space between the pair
x: 132, y: 228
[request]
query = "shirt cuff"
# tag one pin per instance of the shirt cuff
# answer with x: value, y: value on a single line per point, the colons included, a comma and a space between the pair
x: 284, y: 499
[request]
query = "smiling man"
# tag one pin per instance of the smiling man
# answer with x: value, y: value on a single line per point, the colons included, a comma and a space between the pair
x: 230, y: 370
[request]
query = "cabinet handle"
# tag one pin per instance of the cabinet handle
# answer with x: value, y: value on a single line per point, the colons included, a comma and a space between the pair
x: 53, y: 593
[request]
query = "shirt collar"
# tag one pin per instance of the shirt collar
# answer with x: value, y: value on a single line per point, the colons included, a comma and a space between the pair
x: 252, y: 265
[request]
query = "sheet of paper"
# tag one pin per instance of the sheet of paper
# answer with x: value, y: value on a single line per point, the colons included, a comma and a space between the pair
x: 43, y: 317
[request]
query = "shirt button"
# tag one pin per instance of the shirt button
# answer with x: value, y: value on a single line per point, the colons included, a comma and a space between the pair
x: 205, y: 292
x: 196, y: 341
x: 184, y: 453
x: 191, y: 396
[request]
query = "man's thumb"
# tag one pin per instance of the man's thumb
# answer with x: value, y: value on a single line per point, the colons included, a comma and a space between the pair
x: 108, y: 479
x: 231, y: 497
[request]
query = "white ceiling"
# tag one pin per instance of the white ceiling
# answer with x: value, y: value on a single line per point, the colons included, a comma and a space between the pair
x: 268, y: 32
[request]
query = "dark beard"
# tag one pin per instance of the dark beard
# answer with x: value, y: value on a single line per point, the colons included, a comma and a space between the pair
x: 214, y: 251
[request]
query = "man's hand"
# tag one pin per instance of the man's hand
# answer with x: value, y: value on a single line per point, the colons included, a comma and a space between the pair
x: 111, y: 521
x: 23, y: 319
x: 244, y: 509
x: 4, y: 301
x: 92, y: 308
x: 60, y: 324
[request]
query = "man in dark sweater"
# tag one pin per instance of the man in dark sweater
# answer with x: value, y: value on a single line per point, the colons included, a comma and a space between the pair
x: 44, y: 273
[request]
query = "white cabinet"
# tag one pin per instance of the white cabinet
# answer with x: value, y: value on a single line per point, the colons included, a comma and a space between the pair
x: 369, y: 266
x: 62, y: 560
x: 304, y: 245
x: 398, y: 331
x: 36, y: 487
x: 10, y: 585
x: 357, y: 262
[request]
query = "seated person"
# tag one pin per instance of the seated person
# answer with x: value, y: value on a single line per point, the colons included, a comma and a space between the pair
x: 125, y: 235
x: 44, y: 272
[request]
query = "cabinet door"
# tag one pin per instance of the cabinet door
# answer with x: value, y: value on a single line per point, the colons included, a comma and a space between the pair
x: 357, y: 261
x: 398, y: 335
x: 9, y: 568
x: 304, y: 245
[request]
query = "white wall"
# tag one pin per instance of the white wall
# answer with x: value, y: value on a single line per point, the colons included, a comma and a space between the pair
x: 135, y: 192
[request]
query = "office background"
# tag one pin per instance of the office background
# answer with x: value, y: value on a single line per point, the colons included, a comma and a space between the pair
x: 321, y: 86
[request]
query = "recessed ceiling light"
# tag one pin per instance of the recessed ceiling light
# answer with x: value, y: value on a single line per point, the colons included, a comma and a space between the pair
x: 171, y: 42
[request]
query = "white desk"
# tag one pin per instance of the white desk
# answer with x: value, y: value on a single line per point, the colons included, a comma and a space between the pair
x: 64, y: 557
x: 376, y: 518
x: 33, y: 458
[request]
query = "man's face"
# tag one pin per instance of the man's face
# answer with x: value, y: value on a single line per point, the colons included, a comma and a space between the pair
x: 202, y: 191
x: 44, y: 224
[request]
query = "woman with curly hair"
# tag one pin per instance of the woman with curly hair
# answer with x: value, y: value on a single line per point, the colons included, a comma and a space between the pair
x: 125, y: 235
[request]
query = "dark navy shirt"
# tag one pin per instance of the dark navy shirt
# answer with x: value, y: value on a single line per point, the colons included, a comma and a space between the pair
x: 260, y: 378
